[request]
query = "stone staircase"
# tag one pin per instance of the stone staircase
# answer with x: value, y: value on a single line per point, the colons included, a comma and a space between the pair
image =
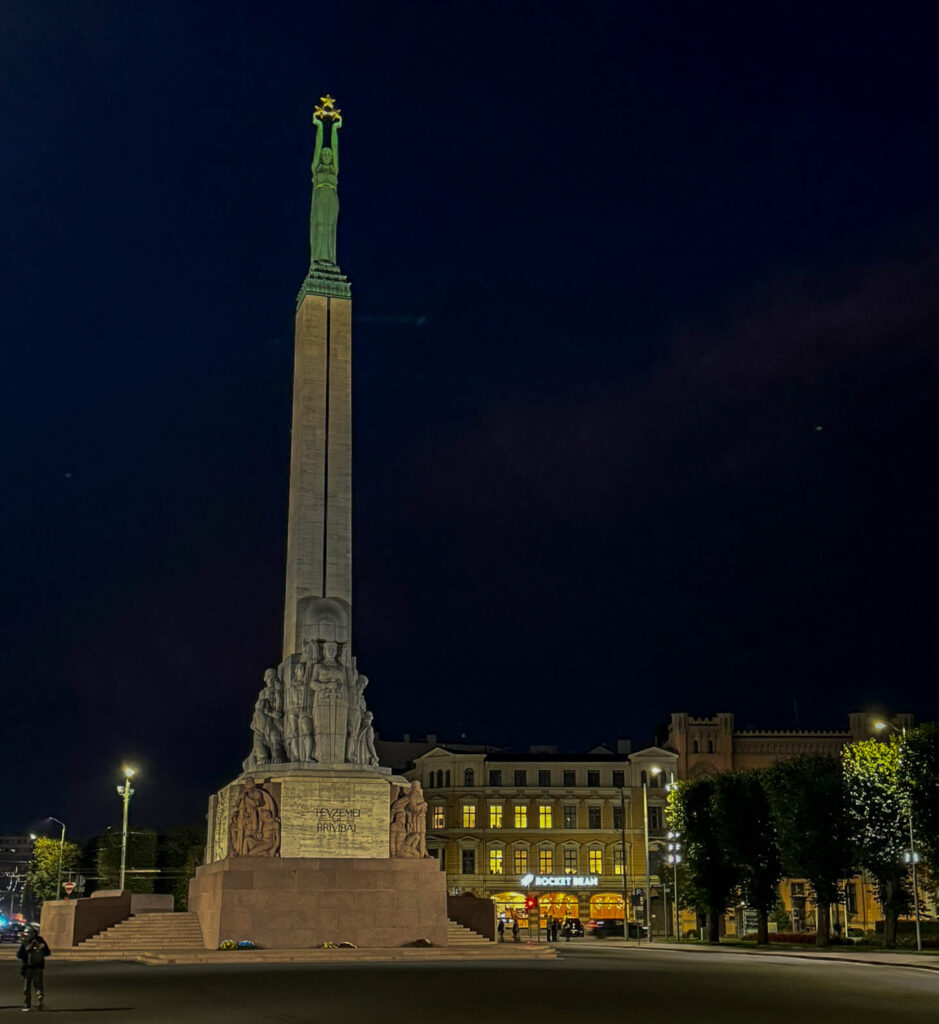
x: 460, y: 935
x: 146, y: 933
x: 177, y: 939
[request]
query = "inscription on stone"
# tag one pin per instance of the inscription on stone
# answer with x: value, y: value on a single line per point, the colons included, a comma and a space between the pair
x: 334, y: 817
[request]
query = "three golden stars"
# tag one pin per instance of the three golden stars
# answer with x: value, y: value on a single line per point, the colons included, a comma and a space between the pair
x: 327, y: 108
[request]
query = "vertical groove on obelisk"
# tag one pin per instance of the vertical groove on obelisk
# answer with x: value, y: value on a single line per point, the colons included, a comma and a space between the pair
x: 324, y: 591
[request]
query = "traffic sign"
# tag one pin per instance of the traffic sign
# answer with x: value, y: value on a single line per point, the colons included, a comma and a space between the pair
x: 68, y: 887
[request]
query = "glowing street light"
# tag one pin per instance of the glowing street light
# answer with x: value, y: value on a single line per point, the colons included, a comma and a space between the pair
x: 911, y: 858
x: 126, y: 792
x: 645, y: 808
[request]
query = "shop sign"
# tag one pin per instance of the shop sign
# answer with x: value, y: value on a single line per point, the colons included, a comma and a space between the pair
x: 560, y: 881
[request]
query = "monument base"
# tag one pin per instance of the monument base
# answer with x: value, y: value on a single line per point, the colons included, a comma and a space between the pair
x: 298, y: 902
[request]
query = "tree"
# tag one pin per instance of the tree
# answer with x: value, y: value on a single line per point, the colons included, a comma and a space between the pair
x: 878, y: 816
x: 179, y: 852
x: 748, y: 833
x: 692, y: 808
x: 808, y: 803
x: 42, y: 874
x: 141, y: 855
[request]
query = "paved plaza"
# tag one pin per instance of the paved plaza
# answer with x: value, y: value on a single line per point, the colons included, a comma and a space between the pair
x: 589, y: 981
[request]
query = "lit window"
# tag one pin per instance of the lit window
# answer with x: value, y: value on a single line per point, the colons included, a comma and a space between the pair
x: 469, y: 815
x: 545, y: 816
x: 570, y: 860
x: 521, y: 862
x: 617, y: 860
x: 495, y: 862
x: 593, y: 817
x: 521, y: 816
x: 596, y: 862
x: 570, y: 816
x: 495, y: 815
x: 440, y: 817
x: 545, y: 861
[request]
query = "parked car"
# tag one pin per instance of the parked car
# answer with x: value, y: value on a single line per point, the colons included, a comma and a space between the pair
x: 11, y: 932
x: 605, y: 927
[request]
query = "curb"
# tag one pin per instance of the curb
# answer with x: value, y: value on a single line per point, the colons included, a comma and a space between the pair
x: 794, y: 955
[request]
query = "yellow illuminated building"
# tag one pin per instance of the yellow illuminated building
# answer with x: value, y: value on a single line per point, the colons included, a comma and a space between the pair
x: 568, y: 828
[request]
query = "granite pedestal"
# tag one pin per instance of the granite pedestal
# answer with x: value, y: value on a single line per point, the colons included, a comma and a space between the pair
x: 295, y: 902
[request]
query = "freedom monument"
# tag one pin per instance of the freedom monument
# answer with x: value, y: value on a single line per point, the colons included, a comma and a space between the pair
x: 315, y: 841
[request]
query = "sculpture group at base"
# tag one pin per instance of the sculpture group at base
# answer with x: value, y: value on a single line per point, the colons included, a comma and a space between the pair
x: 408, y: 826
x: 254, y: 828
x: 317, y: 714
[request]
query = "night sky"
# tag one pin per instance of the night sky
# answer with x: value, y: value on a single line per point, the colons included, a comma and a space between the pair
x: 645, y: 302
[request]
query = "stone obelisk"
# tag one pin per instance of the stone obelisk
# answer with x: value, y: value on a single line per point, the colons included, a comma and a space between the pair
x: 298, y: 846
x: 319, y: 524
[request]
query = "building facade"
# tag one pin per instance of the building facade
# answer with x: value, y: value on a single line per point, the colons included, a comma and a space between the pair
x: 570, y: 829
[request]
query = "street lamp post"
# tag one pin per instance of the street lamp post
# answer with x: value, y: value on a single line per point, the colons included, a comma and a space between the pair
x: 126, y: 792
x: 58, y: 888
x: 912, y: 856
x: 645, y: 823
x: 674, y: 858
x: 622, y: 805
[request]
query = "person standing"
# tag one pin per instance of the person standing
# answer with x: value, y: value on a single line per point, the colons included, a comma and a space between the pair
x: 33, y: 952
x: 515, y: 929
x: 501, y: 929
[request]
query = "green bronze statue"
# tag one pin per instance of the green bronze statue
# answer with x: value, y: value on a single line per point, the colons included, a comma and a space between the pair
x: 324, y: 211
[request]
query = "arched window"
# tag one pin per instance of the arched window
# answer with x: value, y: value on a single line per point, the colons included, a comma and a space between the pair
x: 694, y: 747
x: 469, y: 777
x: 448, y: 777
x: 710, y: 746
x: 439, y: 779
x: 430, y: 780
x: 643, y: 778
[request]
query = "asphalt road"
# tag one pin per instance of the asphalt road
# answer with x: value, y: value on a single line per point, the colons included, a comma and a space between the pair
x: 589, y: 983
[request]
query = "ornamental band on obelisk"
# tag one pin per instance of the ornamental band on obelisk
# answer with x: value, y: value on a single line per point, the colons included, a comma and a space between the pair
x: 312, y: 793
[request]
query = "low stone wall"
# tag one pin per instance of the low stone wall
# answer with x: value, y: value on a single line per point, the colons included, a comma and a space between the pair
x: 472, y: 912
x: 295, y: 902
x: 65, y: 923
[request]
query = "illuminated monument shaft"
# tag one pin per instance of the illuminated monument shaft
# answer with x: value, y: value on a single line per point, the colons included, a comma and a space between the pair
x: 319, y: 527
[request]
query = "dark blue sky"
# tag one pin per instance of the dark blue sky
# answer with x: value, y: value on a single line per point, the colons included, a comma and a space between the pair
x: 614, y: 265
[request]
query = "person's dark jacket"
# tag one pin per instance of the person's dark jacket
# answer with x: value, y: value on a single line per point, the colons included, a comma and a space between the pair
x: 33, y: 951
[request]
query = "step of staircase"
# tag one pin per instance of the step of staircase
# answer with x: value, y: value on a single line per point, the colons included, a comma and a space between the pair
x: 460, y: 935
x: 148, y: 932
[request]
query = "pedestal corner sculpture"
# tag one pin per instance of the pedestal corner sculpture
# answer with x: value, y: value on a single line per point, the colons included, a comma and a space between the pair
x: 299, y: 846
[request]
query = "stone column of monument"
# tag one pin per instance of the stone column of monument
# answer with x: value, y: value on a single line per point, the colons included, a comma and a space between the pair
x: 299, y: 846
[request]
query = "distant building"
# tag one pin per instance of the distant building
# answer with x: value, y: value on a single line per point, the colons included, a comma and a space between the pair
x: 569, y: 828
x: 706, y: 745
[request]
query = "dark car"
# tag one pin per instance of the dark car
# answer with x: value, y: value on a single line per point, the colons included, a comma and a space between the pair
x: 577, y: 928
x: 12, y: 932
x: 604, y: 928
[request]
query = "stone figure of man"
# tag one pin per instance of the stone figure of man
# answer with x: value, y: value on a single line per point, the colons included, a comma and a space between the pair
x: 298, y: 719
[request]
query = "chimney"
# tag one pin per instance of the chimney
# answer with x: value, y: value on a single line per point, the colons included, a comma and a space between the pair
x: 407, y: 737
x: 624, y: 746
x: 432, y: 739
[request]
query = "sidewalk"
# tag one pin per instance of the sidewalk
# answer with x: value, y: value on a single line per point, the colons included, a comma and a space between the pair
x: 883, y: 958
